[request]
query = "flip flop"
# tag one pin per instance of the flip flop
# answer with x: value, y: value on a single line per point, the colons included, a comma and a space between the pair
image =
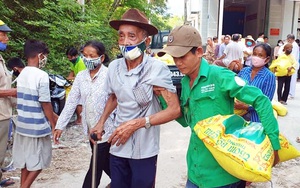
x: 7, y: 182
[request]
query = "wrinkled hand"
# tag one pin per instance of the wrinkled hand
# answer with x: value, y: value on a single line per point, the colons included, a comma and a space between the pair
x: 276, y: 158
x: 56, y: 136
x: 98, y: 129
x: 125, y: 130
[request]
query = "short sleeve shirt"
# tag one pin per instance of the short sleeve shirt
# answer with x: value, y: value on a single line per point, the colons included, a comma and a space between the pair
x: 135, y: 97
x: 5, y: 83
x: 213, y: 93
x: 78, y: 66
x: 32, y: 89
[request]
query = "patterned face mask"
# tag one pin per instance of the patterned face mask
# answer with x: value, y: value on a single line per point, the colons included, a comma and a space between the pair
x: 42, y: 61
x: 134, y: 51
x: 92, y: 63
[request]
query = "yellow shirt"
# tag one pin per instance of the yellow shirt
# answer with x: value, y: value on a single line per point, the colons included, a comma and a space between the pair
x: 282, y: 63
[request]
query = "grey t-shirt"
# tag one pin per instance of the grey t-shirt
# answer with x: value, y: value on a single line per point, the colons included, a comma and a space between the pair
x: 135, y: 97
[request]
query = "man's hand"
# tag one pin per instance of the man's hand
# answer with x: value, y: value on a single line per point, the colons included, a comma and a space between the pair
x: 125, y: 130
x: 56, y: 136
x: 276, y: 158
x: 240, y: 105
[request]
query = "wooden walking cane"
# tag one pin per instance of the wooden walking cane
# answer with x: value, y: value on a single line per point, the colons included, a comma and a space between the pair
x: 95, y: 155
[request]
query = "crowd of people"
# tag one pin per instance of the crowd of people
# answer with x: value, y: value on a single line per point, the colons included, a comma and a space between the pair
x: 125, y: 103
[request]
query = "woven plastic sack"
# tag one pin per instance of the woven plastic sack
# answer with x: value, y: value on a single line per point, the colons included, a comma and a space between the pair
x: 287, y: 151
x: 280, y: 109
x: 240, y: 147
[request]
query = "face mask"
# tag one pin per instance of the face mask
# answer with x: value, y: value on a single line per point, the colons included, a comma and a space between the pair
x: 258, y: 62
x: 249, y: 43
x: 42, y: 62
x: 280, y: 44
x: 73, y: 60
x: 2, y: 46
x: 288, y: 52
x: 133, y: 52
x: 92, y: 63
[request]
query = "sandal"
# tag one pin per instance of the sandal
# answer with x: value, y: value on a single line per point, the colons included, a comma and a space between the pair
x: 7, y: 182
x: 298, y: 139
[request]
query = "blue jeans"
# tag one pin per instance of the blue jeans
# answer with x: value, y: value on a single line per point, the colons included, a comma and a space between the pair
x: 239, y: 184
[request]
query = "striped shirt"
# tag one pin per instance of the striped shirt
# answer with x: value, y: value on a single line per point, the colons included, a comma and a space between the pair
x: 32, y: 89
x: 264, y: 80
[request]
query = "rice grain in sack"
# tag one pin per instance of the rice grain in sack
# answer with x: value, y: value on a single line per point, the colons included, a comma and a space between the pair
x: 240, y: 147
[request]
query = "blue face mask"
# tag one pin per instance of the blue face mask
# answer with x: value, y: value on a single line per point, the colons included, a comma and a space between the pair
x: 133, y: 52
x: 2, y: 46
x: 249, y: 43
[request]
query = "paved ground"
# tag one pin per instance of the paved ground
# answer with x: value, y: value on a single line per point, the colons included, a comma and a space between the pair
x: 171, y: 162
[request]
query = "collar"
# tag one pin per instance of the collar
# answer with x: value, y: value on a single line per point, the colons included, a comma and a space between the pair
x: 203, y: 72
x: 137, y: 69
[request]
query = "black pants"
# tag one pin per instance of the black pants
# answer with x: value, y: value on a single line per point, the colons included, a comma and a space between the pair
x: 286, y: 81
x: 102, y: 165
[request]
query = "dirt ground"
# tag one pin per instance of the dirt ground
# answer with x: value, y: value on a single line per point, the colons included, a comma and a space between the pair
x: 71, y: 160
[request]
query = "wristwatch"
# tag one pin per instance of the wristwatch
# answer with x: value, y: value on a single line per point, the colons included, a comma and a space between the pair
x: 147, y: 124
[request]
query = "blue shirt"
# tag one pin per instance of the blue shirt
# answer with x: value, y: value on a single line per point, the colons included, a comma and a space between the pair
x: 265, y: 80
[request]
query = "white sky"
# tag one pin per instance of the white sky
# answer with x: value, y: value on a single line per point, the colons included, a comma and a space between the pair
x: 176, y: 7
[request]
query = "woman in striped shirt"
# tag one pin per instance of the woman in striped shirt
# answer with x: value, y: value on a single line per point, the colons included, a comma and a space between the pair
x: 260, y: 76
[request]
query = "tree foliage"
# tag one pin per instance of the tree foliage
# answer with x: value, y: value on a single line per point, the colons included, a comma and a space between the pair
x: 64, y: 23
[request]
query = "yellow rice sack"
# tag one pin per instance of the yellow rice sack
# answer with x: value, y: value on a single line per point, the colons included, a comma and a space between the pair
x: 287, y: 151
x: 280, y: 109
x: 240, y: 147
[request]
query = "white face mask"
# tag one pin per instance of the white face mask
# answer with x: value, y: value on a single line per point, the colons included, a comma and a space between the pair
x: 42, y: 62
x: 134, y: 51
x: 92, y: 63
x: 258, y: 62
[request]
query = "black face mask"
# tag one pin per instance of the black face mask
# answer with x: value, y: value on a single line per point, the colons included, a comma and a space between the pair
x: 16, y: 73
x: 73, y: 60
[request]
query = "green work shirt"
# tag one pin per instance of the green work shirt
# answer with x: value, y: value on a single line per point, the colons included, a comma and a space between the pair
x: 213, y: 93
x: 77, y: 66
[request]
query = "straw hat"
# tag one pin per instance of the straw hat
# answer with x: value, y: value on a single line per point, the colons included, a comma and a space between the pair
x: 249, y: 37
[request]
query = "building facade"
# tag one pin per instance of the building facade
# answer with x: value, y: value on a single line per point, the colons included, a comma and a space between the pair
x: 276, y: 18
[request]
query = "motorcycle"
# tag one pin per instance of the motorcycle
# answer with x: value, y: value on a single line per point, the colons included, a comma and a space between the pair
x: 58, y: 85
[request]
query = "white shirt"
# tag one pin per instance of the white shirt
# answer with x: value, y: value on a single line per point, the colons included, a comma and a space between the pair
x: 92, y: 94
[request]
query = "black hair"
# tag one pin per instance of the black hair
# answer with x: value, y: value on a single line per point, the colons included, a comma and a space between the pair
x: 261, y: 33
x: 100, y: 48
x: 193, y: 50
x: 215, y: 38
x: 265, y: 37
x: 34, y: 47
x: 72, y: 51
x: 266, y: 47
x: 15, y: 62
x: 279, y: 42
x: 235, y: 37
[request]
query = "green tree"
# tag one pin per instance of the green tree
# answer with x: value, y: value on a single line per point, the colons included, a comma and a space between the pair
x: 63, y: 23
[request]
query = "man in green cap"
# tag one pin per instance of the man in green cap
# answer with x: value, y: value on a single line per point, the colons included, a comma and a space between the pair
x: 5, y: 96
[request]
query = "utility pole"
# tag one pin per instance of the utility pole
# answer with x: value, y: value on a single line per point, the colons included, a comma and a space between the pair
x: 185, y: 11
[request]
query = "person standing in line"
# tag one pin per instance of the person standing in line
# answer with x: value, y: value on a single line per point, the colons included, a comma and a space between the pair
x: 259, y: 76
x: 32, y: 150
x: 248, y: 50
x: 135, y: 83
x: 276, y: 49
x: 209, y: 90
x: 284, y: 67
x: 89, y: 87
x: 76, y: 65
x: 295, y: 53
x: 6, y: 92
